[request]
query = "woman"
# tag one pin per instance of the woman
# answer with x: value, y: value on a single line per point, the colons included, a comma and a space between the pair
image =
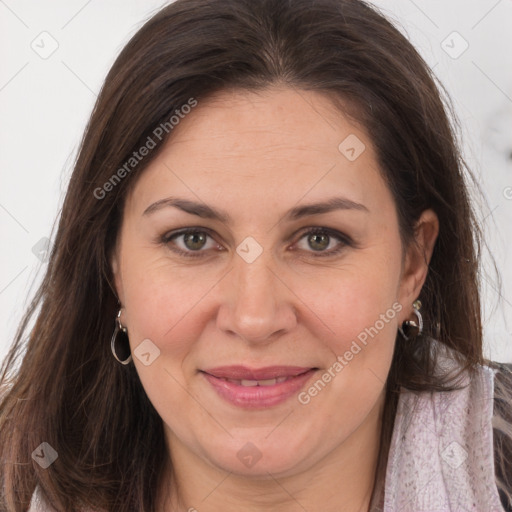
x: 263, y: 290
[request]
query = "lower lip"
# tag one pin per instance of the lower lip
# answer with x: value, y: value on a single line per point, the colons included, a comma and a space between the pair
x: 258, y: 397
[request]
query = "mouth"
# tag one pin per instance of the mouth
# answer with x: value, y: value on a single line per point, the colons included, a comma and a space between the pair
x: 252, y: 383
x: 257, y: 388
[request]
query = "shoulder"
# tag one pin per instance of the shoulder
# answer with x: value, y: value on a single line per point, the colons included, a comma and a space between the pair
x: 502, y: 430
x: 442, y: 446
x: 502, y: 394
x: 503, y: 371
x: 38, y: 503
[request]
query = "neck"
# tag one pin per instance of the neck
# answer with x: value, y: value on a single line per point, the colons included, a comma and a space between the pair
x: 342, y: 481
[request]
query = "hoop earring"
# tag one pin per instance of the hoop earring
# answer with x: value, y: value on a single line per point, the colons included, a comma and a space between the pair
x: 119, y: 327
x: 410, y: 325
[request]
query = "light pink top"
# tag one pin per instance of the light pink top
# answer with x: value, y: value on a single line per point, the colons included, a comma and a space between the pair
x: 441, y: 457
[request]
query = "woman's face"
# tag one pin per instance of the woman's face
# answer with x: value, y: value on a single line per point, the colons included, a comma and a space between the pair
x: 294, y: 271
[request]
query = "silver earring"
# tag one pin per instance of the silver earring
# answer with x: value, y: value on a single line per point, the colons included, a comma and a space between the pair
x: 119, y: 327
x: 410, y: 325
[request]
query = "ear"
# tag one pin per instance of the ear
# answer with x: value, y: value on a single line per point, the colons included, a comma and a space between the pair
x: 417, y: 259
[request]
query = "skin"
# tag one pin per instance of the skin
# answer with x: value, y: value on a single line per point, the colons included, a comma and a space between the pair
x: 256, y: 156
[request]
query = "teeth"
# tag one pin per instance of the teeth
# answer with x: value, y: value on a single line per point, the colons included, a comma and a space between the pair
x: 252, y: 383
x: 248, y: 382
x: 268, y: 382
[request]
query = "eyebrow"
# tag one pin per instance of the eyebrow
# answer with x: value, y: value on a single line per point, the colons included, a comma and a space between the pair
x: 207, y: 212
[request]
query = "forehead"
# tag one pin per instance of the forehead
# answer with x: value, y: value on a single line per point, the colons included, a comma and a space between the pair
x: 274, y: 145
x: 263, y: 122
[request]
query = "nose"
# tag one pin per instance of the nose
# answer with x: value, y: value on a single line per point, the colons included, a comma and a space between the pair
x: 256, y: 305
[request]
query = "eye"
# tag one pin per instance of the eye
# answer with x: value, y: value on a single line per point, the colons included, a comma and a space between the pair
x: 323, y: 241
x: 193, y: 242
x: 190, y: 242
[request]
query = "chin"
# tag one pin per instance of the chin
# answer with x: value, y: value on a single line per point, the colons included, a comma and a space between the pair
x: 259, y: 457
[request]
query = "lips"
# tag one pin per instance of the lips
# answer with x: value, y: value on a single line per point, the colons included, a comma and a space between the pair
x: 258, y: 388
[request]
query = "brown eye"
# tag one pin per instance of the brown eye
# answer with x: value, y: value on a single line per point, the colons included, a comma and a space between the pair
x: 323, y: 241
x: 318, y: 242
x: 190, y: 242
x: 194, y: 241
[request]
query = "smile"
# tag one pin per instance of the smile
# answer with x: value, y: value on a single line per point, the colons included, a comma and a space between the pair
x: 257, y: 388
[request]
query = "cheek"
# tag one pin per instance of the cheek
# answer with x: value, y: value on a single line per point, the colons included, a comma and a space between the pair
x: 355, y: 301
x: 359, y: 306
x: 162, y: 303
x: 361, y: 313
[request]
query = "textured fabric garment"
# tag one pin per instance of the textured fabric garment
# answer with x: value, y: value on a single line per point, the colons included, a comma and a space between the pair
x: 441, y: 457
x: 38, y: 505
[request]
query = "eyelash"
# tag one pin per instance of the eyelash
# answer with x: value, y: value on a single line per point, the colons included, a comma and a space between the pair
x: 345, y: 241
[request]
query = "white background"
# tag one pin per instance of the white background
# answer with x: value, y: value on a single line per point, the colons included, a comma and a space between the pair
x: 45, y: 103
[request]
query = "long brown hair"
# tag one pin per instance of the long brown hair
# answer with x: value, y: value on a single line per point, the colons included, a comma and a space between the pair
x: 62, y: 385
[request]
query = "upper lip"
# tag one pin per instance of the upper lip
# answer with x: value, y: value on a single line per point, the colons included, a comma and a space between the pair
x: 239, y: 372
